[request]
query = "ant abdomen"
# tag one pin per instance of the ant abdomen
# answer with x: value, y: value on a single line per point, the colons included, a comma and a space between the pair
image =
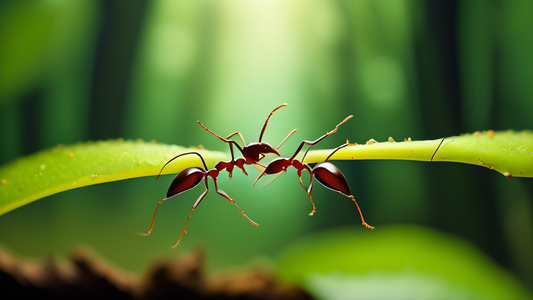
x: 331, y: 177
x: 185, y: 180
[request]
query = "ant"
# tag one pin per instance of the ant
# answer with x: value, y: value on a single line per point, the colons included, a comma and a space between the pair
x: 253, y: 152
x: 190, y: 178
x: 325, y: 172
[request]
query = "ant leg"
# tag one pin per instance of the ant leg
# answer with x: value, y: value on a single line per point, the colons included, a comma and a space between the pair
x: 350, y: 196
x: 292, y: 132
x: 326, y: 135
x: 337, y: 149
x: 225, y: 195
x: 190, y: 213
x: 240, y: 135
x: 360, y: 213
x: 231, y: 142
x: 153, y: 219
x: 308, y: 190
x: 312, y: 143
x: 240, y: 164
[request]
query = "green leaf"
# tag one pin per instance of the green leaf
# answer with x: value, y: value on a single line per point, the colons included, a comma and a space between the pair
x: 67, y: 167
x: 508, y: 152
x: 395, y: 262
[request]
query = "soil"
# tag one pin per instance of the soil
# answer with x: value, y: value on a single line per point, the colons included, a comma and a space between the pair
x: 85, y: 276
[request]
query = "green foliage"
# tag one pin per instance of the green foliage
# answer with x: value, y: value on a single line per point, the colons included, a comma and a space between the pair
x: 67, y: 167
x: 507, y: 152
x: 97, y: 70
x: 402, y: 262
x: 37, y: 37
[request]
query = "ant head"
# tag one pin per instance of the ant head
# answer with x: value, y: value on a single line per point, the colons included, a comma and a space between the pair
x: 254, y: 150
x: 266, y: 148
x: 277, y: 165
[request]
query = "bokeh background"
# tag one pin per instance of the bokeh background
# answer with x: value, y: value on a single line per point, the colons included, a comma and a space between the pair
x: 75, y: 71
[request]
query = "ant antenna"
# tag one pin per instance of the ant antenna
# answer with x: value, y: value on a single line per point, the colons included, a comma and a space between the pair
x: 268, y: 118
x: 205, y: 166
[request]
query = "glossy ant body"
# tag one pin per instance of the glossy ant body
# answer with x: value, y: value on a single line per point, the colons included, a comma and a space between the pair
x: 325, y: 172
x: 252, y: 153
x: 191, y: 177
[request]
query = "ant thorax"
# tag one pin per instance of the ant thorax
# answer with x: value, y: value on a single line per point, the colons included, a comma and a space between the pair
x: 297, y: 164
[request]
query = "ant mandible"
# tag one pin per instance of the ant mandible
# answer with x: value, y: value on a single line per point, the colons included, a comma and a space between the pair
x: 325, y: 172
x: 253, y: 152
x: 188, y: 179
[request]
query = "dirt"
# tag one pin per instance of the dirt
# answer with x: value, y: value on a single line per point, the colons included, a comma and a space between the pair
x: 85, y: 276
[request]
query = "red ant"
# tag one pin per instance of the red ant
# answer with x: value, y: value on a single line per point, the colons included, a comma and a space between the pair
x: 191, y: 177
x: 253, y: 152
x: 188, y: 179
x: 325, y: 172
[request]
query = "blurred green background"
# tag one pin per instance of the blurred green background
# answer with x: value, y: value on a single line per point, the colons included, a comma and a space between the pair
x: 93, y: 70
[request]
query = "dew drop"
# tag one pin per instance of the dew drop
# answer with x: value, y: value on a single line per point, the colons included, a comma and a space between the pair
x: 371, y: 141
